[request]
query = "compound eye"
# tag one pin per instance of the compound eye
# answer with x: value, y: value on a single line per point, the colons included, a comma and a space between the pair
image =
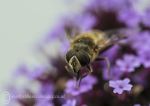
x: 81, y: 56
x: 84, y: 58
x: 69, y: 55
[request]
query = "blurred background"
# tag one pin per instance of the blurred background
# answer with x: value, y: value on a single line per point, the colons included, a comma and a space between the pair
x: 24, y: 27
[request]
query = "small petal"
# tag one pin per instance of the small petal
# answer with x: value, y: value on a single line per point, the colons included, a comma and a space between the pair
x: 120, y: 85
x: 128, y: 87
x: 126, y: 80
x: 112, y: 84
x: 70, y: 103
x: 119, y: 91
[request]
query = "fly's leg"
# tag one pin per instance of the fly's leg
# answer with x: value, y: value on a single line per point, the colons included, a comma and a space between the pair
x: 90, y: 69
x: 76, y: 75
x: 78, y: 79
x: 79, y: 76
x: 107, y: 63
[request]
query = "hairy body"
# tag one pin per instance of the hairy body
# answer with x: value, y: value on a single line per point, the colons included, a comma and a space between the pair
x: 86, y: 47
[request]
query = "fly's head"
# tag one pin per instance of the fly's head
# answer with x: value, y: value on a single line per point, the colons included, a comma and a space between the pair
x: 75, y: 60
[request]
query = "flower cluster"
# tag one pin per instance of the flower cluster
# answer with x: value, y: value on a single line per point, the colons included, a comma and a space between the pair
x: 128, y: 64
x: 51, y: 85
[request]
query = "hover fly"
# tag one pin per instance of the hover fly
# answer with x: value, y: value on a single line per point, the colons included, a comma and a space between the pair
x: 86, y: 47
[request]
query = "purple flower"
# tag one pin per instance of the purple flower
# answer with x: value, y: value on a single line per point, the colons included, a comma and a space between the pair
x: 128, y: 63
x: 46, y: 88
x: 120, y: 85
x: 87, y: 22
x: 71, y: 89
x: 86, y: 85
x: 83, y: 22
x: 130, y: 17
x: 141, y: 45
x: 145, y: 58
x: 36, y: 72
x: 146, y: 17
x: 44, y: 94
x: 109, y: 5
x: 141, y: 42
x: 72, y: 102
x: 64, y: 47
x: 114, y: 73
x: 112, y: 52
